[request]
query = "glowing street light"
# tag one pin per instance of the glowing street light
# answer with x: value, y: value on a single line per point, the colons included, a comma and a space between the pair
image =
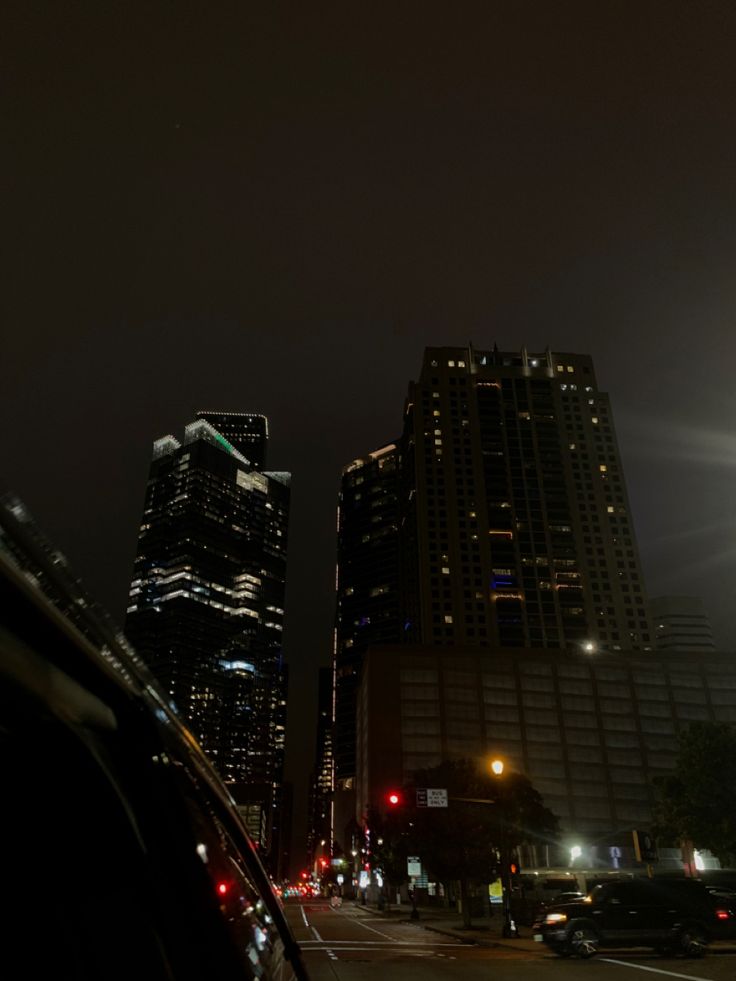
x: 589, y: 647
x: 575, y: 852
x: 509, y: 927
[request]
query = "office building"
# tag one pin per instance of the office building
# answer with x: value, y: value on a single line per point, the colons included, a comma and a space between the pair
x: 206, y: 607
x: 681, y: 624
x: 591, y: 731
x: 498, y: 519
x: 245, y: 431
x: 319, y: 830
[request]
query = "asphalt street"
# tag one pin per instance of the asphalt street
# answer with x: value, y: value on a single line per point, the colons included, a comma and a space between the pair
x: 352, y: 943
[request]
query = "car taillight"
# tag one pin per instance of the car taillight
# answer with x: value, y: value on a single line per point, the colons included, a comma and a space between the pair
x: 723, y: 914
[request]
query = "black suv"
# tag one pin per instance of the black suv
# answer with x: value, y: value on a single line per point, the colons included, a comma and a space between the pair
x: 633, y: 913
x: 123, y: 854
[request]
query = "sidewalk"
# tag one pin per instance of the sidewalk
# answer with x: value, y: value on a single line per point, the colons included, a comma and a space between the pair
x: 484, y: 932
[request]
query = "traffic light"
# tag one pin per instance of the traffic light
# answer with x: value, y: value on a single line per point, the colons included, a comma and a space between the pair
x: 393, y: 798
x: 645, y: 847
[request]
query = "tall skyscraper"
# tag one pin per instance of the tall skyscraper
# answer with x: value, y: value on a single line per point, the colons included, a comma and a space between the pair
x: 320, y: 791
x: 502, y: 522
x: 245, y: 431
x: 206, y: 605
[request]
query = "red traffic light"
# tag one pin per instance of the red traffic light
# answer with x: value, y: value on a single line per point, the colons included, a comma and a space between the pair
x: 513, y: 868
x: 393, y: 797
x: 222, y: 888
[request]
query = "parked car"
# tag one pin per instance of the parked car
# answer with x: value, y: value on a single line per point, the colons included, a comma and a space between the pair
x: 123, y: 854
x: 561, y: 897
x: 634, y: 913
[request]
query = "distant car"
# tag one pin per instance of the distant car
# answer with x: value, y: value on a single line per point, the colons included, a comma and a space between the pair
x: 123, y: 854
x: 635, y: 913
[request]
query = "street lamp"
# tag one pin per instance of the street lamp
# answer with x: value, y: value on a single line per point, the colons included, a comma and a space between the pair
x: 509, y: 927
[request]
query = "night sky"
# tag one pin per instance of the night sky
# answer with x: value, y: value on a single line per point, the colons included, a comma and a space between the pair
x: 274, y: 207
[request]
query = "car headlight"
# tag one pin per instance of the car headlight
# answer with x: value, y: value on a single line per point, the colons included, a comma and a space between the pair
x: 555, y: 918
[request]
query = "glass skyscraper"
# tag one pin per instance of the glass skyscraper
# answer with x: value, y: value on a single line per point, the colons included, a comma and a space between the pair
x: 206, y: 608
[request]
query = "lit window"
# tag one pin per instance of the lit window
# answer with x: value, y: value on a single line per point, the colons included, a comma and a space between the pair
x: 570, y: 368
x: 448, y: 618
x: 560, y: 367
x: 461, y: 364
x: 450, y: 364
x: 594, y: 420
x: 609, y: 509
x: 436, y: 412
x: 446, y: 570
x: 603, y: 468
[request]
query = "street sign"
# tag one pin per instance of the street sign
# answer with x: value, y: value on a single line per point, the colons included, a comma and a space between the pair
x: 645, y: 847
x: 421, y: 796
x: 436, y: 797
x: 413, y: 865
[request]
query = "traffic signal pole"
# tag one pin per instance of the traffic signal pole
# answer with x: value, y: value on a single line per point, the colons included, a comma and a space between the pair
x: 509, y: 925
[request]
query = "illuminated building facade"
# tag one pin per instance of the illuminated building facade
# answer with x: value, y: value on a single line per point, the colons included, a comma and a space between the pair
x: 206, y: 607
x: 320, y: 791
x: 501, y: 520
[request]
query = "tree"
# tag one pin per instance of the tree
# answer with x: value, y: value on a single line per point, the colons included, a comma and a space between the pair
x: 389, y: 840
x: 698, y: 801
x: 487, y: 816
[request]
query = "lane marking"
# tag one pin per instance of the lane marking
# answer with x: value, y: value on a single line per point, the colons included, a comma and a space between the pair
x: 382, y: 943
x: 365, y: 925
x: 654, y: 970
x: 415, y: 950
x: 304, y: 917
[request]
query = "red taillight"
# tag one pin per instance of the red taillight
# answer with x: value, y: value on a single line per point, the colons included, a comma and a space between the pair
x: 222, y: 888
x: 723, y: 914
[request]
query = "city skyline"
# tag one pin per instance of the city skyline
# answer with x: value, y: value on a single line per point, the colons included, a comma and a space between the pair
x: 302, y: 716
x: 276, y: 212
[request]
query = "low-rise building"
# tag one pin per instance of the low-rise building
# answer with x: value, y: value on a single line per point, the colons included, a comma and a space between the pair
x: 591, y: 731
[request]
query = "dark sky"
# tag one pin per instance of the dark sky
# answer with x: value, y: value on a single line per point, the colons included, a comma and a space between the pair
x: 274, y: 208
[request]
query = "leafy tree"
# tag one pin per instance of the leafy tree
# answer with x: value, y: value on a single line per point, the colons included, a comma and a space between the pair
x: 486, y: 816
x: 698, y: 801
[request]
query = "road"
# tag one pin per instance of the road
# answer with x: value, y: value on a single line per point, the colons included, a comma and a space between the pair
x: 352, y: 944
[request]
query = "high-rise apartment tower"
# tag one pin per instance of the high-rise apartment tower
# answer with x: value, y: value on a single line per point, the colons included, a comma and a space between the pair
x: 500, y: 519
